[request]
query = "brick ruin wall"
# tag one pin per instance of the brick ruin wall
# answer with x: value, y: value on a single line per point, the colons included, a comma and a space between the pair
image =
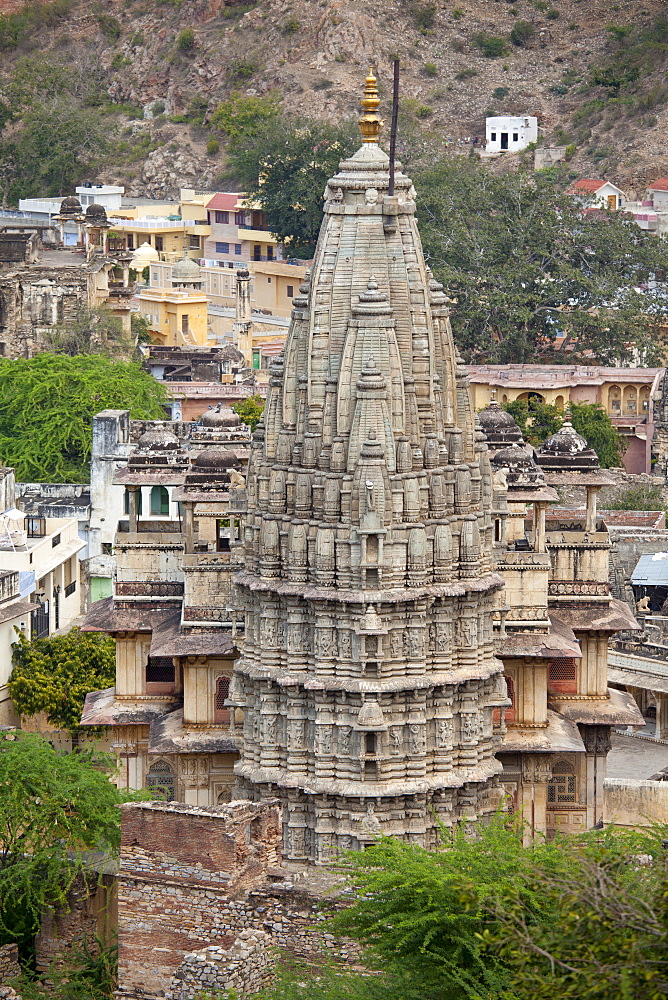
x: 203, y: 905
x: 9, y: 963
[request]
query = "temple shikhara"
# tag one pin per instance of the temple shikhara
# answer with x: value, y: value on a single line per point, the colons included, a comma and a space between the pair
x: 386, y: 622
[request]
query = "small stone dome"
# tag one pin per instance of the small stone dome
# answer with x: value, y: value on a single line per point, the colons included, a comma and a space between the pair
x: 186, y: 270
x: 370, y: 716
x: 143, y: 255
x: 493, y: 417
x: 70, y: 206
x: 96, y: 213
x: 515, y: 459
x: 220, y: 417
x: 566, y: 441
x: 158, y: 439
x: 216, y: 458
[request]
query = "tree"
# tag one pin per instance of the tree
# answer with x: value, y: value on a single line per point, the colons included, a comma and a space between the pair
x: 487, y: 918
x: 47, y: 404
x: 90, y: 331
x: 528, y: 267
x: 54, y: 808
x: 241, y: 117
x: 637, y: 498
x: 58, y: 141
x: 284, y: 167
x: 55, y: 674
x: 537, y: 420
x: 593, y: 423
x: 250, y: 410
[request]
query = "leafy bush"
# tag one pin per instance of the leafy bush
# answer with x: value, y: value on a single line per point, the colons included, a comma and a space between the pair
x: 491, y: 46
x: 499, y: 93
x: 243, y: 69
x: 240, y: 116
x: 212, y: 147
x: 158, y: 108
x: 552, y: 14
x: 424, y: 16
x: 522, y: 32
x: 185, y: 40
x: 637, y: 498
x: 430, y: 69
x: 109, y: 26
x: 466, y: 74
x: 291, y: 26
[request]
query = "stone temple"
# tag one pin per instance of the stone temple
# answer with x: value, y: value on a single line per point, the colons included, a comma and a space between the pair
x: 368, y: 677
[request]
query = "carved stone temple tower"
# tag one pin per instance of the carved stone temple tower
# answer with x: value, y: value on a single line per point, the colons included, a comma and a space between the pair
x: 368, y: 677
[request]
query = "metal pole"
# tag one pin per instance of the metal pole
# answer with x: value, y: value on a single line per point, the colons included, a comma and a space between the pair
x: 393, y: 131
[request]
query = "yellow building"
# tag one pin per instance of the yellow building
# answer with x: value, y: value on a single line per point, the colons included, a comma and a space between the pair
x: 626, y: 395
x: 177, y: 317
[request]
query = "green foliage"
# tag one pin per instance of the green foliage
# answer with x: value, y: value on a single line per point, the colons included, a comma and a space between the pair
x: 57, y: 142
x: 552, y: 14
x: 527, y: 266
x: 499, y: 93
x: 53, y: 809
x: 250, y: 410
x: 212, y: 147
x: 490, y: 919
x: 14, y: 28
x: 284, y: 169
x: 109, y: 26
x: 466, y: 74
x: 491, y: 46
x: 637, y: 498
x: 537, y: 420
x: 522, y: 32
x: 158, y: 108
x: 424, y: 16
x: 243, y: 69
x: 241, y: 117
x: 88, y: 971
x: 140, y: 328
x: 185, y: 40
x: 593, y: 423
x: 47, y: 404
x: 430, y: 69
x: 55, y: 674
x: 90, y: 331
x: 291, y: 26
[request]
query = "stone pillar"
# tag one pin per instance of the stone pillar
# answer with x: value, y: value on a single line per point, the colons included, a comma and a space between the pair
x: 188, y: 526
x: 592, y: 495
x: 536, y: 774
x: 661, y: 700
x: 539, y: 540
x: 133, y: 505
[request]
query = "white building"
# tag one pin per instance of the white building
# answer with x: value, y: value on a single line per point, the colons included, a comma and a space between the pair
x: 107, y: 195
x: 510, y: 133
x: 598, y: 193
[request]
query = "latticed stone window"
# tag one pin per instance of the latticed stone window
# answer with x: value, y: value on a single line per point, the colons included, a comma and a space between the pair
x: 563, y: 676
x: 562, y: 786
x: 220, y: 711
x: 161, y: 777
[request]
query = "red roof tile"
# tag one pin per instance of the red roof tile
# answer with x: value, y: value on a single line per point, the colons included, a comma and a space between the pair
x: 659, y: 185
x: 223, y: 201
x: 587, y: 184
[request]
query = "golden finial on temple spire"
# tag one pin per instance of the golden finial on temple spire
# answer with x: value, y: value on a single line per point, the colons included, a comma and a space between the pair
x: 370, y: 122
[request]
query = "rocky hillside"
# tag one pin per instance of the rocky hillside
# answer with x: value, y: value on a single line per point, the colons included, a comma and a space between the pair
x: 159, y: 67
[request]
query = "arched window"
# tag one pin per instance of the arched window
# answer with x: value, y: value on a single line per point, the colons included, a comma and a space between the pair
x: 221, y: 714
x: 159, y: 500
x: 630, y: 399
x: 614, y: 399
x: 644, y: 399
x: 562, y: 785
x: 161, y: 777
